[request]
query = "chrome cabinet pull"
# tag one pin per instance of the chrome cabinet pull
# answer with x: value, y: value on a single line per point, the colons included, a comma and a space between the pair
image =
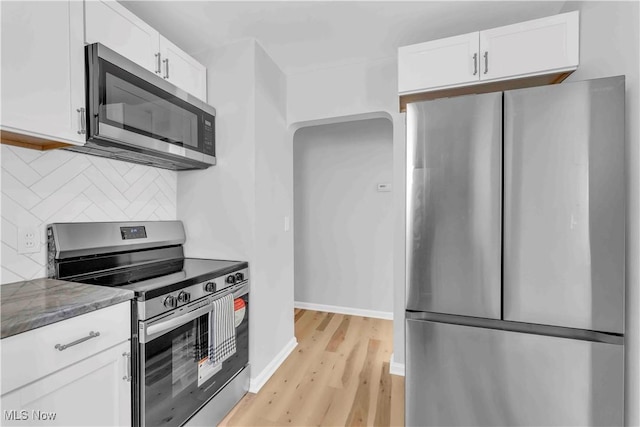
x: 166, y: 67
x: 81, y: 118
x: 486, y: 62
x: 158, y: 67
x: 475, y: 63
x: 127, y: 377
x: 76, y: 342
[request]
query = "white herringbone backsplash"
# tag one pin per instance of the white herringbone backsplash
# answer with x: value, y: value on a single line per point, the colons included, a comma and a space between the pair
x: 39, y: 188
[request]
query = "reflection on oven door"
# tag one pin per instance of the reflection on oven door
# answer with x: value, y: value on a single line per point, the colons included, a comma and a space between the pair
x: 177, y: 376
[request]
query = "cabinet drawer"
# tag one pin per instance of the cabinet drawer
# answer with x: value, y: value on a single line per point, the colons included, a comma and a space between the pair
x: 33, y: 354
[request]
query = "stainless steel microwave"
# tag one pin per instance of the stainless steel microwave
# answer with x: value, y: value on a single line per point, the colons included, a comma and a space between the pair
x: 135, y: 115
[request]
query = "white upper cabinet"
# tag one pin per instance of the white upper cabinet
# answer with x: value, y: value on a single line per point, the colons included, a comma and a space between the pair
x: 113, y: 25
x: 538, y: 47
x: 541, y: 45
x: 453, y: 60
x: 43, y: 70
x: 182, y: 70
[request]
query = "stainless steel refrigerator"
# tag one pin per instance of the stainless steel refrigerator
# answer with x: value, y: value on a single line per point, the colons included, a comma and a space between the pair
x: 515, y: 257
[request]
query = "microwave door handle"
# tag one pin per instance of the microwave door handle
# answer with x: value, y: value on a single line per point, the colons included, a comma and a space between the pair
x: 155, y: 330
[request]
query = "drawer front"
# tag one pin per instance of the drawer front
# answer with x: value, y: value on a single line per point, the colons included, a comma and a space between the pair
x: 32, y: 355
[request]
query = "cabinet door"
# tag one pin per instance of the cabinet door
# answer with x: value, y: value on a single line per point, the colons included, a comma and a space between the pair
x: 43, y: 69
x: 443, y: 62
x: 94, y: 391
x: 114, y: 26
x: 182, y: 70
x: 532, y: 47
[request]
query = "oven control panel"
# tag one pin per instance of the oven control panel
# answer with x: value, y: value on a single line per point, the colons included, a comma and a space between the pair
x: 162, y: 304
x: 231, y: 279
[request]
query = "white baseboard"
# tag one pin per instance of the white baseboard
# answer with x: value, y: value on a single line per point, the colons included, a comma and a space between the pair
x: 396, y: 368
x: 344, y: 310
x: 261, y: 379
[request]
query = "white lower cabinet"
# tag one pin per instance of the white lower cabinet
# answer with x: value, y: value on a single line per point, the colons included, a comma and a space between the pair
x: 76, y: 372
x: 92, y: 392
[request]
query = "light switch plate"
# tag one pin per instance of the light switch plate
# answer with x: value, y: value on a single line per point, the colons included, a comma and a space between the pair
x: 384, y: 187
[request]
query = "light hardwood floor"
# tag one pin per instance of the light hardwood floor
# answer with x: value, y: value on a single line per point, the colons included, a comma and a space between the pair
x: 338, y: 375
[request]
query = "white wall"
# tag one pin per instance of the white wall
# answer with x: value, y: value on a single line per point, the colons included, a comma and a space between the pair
x: 344, y: 226
x: 235, y: 209
x: 340, y: 91
x: 273, y: 267
x: 42, y: 187
x: 217, y: 204
x: 353, y: 92
x: 608, y: 47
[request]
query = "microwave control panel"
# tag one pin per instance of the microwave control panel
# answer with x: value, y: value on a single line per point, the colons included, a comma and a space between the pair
x: 209, y: 135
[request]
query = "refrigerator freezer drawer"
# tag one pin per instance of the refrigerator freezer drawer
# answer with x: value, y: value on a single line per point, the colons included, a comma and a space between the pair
x: 564, y: 202
x: 463, y: 375
x: 454, y: 205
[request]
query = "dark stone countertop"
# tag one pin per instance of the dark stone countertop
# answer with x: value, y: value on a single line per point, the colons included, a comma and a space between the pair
x: 34, y: 303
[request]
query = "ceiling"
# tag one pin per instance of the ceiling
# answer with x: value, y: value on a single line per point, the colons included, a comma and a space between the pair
x: 303, y: 35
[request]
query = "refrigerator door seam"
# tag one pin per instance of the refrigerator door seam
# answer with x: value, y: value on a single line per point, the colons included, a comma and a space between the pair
x: 528, y: 328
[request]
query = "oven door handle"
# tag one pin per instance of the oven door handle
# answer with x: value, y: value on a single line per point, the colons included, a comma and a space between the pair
x: 155, y: 330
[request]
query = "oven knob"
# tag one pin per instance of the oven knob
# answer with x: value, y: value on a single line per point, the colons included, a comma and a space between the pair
x: 210, y: 287
x: 239, y: 277
x: 231, y: 279
x: 184, y: 296
x: 170, y: 302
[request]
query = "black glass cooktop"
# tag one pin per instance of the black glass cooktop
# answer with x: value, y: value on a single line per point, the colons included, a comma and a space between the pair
x: 153, y: 279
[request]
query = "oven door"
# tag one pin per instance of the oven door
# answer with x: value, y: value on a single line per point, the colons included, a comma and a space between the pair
x: 175, y: 376
x: 129, y: 105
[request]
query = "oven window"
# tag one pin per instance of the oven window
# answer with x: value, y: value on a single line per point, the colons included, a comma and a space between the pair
x: 177, y: 378
x: 130, y: 103
x: 172, y: 365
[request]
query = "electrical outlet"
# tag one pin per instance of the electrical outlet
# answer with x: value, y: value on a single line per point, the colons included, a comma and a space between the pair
x: 28, y: 240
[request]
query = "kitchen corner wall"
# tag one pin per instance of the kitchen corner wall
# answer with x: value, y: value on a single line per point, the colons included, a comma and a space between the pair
x: 42, y: 187
x: 236, y: 209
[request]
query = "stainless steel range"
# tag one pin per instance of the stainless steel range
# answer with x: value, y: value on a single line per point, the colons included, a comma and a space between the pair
x: 190, y: 321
